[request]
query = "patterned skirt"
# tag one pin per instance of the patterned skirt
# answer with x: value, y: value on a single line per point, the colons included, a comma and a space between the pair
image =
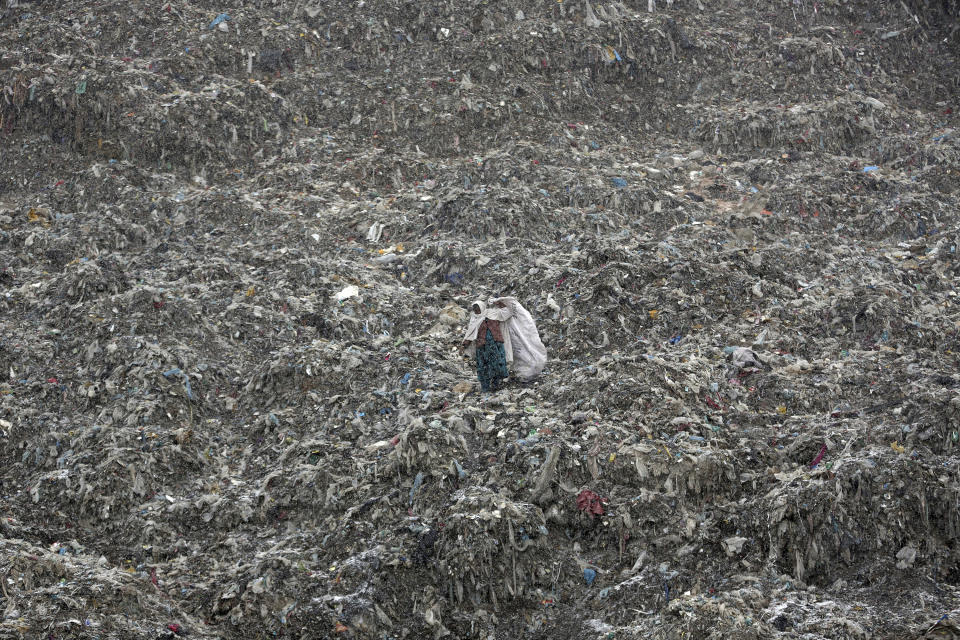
x: 491, y: 363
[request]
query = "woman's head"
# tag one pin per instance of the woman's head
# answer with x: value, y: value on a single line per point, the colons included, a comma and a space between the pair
x: 478, y: 307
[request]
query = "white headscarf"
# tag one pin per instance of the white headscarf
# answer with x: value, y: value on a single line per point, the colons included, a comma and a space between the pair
x: 493, y: 313
x: 476, y: 319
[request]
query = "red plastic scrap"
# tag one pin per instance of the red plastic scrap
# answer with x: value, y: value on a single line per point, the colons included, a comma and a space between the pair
x: 175, y: 628
x: 816, y: 461
x: 590, y: 503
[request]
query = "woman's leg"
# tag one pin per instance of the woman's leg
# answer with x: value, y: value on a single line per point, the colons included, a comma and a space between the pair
x: 482, y: 370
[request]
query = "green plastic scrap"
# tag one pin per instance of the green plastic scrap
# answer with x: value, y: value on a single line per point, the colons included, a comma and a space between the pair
x: 81, y: 87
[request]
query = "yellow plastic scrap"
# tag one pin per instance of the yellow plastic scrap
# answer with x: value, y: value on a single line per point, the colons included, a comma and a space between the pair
x: 896, y: 446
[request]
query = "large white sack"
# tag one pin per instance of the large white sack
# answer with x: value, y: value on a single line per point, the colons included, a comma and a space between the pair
x: 529, y: 354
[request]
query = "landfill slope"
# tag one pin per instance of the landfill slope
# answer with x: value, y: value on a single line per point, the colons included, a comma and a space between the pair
x: 238, y: 243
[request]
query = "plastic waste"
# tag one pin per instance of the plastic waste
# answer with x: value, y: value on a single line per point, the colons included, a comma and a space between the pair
x: 223, y: 17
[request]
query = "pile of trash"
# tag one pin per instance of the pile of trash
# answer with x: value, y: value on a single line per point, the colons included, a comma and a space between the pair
x: 238, y: 247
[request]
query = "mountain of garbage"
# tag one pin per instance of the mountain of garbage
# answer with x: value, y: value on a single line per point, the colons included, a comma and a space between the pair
x: 239, y: 242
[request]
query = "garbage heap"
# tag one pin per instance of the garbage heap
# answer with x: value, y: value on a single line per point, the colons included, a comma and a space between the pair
x: 239, y: 241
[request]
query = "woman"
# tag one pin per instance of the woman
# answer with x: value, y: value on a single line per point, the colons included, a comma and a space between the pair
x: 487, y: 337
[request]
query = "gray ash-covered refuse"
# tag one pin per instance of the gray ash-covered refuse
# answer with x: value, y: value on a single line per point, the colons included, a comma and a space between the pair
x: 238, y: 244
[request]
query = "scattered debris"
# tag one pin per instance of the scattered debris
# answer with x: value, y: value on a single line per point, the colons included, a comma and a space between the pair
x: 238, y: 244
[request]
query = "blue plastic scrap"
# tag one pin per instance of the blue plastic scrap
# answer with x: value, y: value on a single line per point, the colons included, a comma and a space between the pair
x: 589, y: 575
x: 223, y: 17
x: 186, y: 379
x: 416, y: 485
x: 619, y: 183
x: 871, y: 168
